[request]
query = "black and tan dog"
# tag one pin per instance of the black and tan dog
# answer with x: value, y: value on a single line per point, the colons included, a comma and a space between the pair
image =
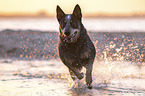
x: 76, y: 50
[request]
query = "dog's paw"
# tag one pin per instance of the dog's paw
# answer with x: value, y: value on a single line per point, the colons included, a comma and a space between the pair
x: 77, y: 84
x: 81, y: 76
x: 89, y: 86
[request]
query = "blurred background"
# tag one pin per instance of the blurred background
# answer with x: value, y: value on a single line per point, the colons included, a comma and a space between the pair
x: 93, y: 8
x: 99, y: 16
x: 44, y: 11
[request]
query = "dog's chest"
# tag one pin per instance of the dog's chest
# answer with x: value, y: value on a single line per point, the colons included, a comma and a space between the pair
x: 75, y: 52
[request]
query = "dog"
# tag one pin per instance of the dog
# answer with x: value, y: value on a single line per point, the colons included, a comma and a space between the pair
x: 75, y: 48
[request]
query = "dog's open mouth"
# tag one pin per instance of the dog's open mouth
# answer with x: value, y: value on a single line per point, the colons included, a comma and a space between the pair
x: 69, y: 38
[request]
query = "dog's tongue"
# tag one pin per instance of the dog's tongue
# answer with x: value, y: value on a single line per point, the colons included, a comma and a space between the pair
x: 64, y: 38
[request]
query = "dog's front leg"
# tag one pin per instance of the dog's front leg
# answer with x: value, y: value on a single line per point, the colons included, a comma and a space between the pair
x: 89, y: 73
x: 75, y: 71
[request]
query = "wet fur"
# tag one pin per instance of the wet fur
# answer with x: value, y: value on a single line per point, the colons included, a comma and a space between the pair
x: 79, y: 52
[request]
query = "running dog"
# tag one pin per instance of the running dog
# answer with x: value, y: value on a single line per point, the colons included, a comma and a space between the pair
x: 76, y: 49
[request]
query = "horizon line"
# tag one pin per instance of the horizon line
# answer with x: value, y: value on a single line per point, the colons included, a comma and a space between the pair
x: 101, y: 14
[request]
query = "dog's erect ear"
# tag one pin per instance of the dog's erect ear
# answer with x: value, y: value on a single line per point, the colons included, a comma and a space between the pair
x: 77, y: 12
x: 60, y: 13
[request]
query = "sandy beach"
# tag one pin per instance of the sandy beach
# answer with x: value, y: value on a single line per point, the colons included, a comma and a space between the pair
x: 30, y: 65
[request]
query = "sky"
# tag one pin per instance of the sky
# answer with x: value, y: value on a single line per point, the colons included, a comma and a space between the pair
x: 87, y: 6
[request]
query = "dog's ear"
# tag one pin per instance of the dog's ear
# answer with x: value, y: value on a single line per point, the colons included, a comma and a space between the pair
x: 60, y: 13
x: 77, y: 12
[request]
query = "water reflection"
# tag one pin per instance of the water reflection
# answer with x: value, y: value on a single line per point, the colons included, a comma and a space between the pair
x: 51, y: 77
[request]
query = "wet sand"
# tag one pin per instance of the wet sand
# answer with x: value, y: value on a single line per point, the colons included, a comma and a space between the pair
x: 29, y: 65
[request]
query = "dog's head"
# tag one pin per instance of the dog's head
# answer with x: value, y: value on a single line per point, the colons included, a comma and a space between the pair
x: 70, y: 24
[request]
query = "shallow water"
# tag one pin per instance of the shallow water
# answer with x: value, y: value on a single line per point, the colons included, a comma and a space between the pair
x: 52, y: 78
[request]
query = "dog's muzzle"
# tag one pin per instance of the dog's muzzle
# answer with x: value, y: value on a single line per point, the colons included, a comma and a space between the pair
x: 69, y: 38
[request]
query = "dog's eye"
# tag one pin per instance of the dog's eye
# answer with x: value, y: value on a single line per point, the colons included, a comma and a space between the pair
x: 64, y: 21
x: 63, y: 24
x: 73, y: 24
x: 70, y: 21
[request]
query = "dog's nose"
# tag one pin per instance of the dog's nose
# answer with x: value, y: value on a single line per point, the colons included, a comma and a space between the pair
x: 67, y: 33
